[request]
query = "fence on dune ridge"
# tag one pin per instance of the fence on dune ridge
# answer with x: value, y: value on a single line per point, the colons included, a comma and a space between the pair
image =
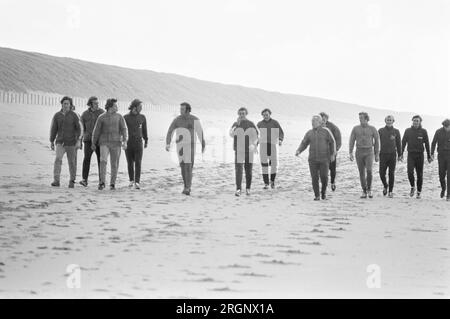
x: 53, y: 100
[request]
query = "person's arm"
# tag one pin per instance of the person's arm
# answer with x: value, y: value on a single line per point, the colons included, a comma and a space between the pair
x: 404, y: 140
x: 427, y: 145
x: 398, y: 143
x: 200, y: 134
x: 332, y: 143
x: 97, y: 130
x: 169, y: 135
x: 434, y: 143
x: 123, y: 129
x: 281, y: 133
x: 303, y: 145
x: 233, y: 127
x: 338, y: 138
x: 144, y: 131
x: 53, y: 130
x: 78, y: 130
x: 376, y: 138
x: 352, y: 141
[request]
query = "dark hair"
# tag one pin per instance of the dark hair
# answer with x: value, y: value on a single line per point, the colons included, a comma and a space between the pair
x: 67, y: 98
x: 446, y: 123
x: 90, y: 100
x: 323, y: 114
x: 110, y: 103
x: 135, y: 103
x: 243, y: 109
x: 366, y: 116
x: 416, y: 117
x: 266, y: 110
x: 188, y: 106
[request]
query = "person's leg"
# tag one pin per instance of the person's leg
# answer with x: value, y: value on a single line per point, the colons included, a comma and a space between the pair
x: 239, y: 170
x: 59, y: 153
x: 188, y: 167
x: 115, y: 157
x: 324, y: 167
x: 138, y: 162
x: 264, y: 163
x: 362, y: 170
x: 392, y: 164
x: 442, y: 171
x: 248, y: 175
x: 369, y: 166
x: 382, y: 169
x: 97, y: 153
x: 447, y: 168
x: 104, y: 153
x: 314, y: 171
x: 273, y: 164
x: 129, y: 154
x: 410, y: 167
x: 71, y: 152
x: 183, y: 173
x: 333, y: 171
x: 419, y: 170
x: 87, y: 160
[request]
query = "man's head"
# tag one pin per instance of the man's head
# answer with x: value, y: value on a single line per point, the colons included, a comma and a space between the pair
x: 93, y: 103
x: 66, y: 104
x: 135, y: 106
x: 324, y: 117
x: 242, y: 113
x: 446, y: 125
x: 185, y: 108
x: 389, y: 120
x: 266, y: 113
x: 416, y: 121
x: 111, y: 105
x: 363, y: 118
x: 316, y: 121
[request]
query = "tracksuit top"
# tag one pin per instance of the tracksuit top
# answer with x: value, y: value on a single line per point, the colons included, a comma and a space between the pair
x: 188, y: 122
x: 321, y: 144
x: 245, y: 129
x: 137, y: 128
x: 416, y: 138
x: 266, y: 131
x: 336, y: 134
x: 390, y: 140
x: 442, y: 140
x: 65, y: 128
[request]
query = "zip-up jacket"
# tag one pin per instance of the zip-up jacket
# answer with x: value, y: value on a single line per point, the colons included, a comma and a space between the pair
x: 442, y: 140
x: 336, y: 134
x: 267, y: 128
x: 187, y: 122
x: 321, y: 144
x: 366, y: 137
x: 137, y: 127
x: 245, y: 129
x: 416, y: 138
x: 390, y: 140
x: 88, y: 119
x: 65, y: 128
x: 110, y: 129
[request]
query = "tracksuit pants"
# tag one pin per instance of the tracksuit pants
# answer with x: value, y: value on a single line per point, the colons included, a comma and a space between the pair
x: 388, y: 161
x: 269, y: 157
x: 333, y: 171
x: 134, y: 154
x: 444, y: 170
x: 243, y: 162
x: 319, y: 170
x: 364, y: 160
x: 87, y: 158
x: 113, y: 152
x: 415, y: 162
x: 71, y: 152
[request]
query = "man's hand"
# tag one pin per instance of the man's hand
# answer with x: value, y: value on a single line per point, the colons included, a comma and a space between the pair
x: 168, y: 147
x: 351, y: 157
x: 78, y: 145
x: 145, y: 144
x: 93, y: 147
x: 280, y: 143
x: 377, y: 158
x: 297, y: 153
x: 430, y: 159
x: 333, y: 157
x: 400, y: 158
x: 52, y: 146
x: 203, y: 148
x: 124, y: 146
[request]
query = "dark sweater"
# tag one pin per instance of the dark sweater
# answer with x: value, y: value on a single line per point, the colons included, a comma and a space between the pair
x: 65, y: 128
x: 88, y: 119
x: 266, y: 131
x: 442, y: 140
x: 137, y: 128
x: 390, y: 140
x: 336, y: 134
x: 416, y: 138
x: 321, y: 144
x: 245, y: 129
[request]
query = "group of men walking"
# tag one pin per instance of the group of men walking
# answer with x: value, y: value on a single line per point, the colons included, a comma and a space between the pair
x: 106, y: 133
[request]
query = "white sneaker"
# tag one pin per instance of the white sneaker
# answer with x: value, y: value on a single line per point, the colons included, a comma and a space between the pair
x: 238, y: 193
x: 247, y: 191
x: 131, y: 185
x: 137, y: 186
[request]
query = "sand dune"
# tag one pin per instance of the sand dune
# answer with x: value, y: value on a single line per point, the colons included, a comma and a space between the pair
x: 157, y: 243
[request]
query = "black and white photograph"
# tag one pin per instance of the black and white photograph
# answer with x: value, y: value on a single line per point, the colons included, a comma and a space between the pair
x: 224, y: 149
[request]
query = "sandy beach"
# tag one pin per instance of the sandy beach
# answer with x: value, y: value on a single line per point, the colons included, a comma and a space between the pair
x: 157, y: 243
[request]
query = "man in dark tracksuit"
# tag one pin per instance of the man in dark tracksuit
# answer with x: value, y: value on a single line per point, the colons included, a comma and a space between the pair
x: 337, y: 137
x: 442, y: 140
x: 88, y: 119
x: 245, y: 140
x: 390, y: 146
x: 271, y: 135
x: 137, y: 130
x: 322, y: 151
x: 416, y: 137
x: 65, y: 132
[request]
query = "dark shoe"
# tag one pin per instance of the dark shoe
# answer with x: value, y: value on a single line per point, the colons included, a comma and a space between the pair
x: 238, y: 193
x: 247, y: 191
x: 369, y: 193
x: 55, y: 184
x: 324, y: 196
x: 418, y: 195
x: 266, y: 186
x: 112, y: 187
x: 84, y: 183
x: 101, y: 186
x: 391, y: 195
x: 272, y: 185
x: 363, y: 195
x: 443, y: 193
x: 333, y: 187
x: 186, y: 192
x: 316, y: 198
x: 137, y: 186
x: 411, y: 193
x: 385, y: 191
x: 72, y: 184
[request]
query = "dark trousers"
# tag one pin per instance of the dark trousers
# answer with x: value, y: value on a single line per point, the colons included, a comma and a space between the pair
x: 364, y: 160
x: 134, y: 154
x: 319, y: 170
x: 186, y: 173
x: 87, y: 158
x: 333, y: 171
x: 415, y: 162
x: 444, y: 171
x: 388, y: 161
x: 240, y: 167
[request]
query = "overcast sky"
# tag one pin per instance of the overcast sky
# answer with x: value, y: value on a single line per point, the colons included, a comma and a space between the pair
x: 390, y: 54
